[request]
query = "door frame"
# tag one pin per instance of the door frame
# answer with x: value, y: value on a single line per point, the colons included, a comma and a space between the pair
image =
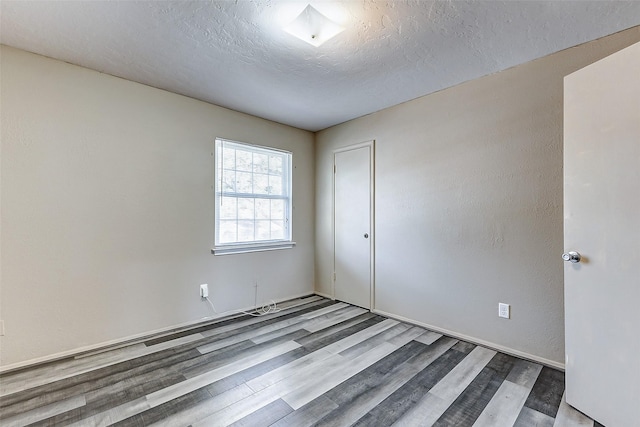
x: 372, y: 234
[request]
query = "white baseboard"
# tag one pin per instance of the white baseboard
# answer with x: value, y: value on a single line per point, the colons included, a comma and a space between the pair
x: 494, y: 346
x: 137, y: 338
x: 133, y: 339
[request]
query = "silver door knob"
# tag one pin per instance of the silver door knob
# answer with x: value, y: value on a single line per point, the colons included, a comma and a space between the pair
x: 571, y: 256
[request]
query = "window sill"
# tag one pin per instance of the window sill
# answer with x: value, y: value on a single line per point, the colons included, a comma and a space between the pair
x: 253, y: 247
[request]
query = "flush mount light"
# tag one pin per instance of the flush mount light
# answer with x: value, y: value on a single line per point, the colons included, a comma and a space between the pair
x: 313, y: 27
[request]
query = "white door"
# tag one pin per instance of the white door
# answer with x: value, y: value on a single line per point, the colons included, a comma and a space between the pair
x: 602, y: 224
x: 353, y: 239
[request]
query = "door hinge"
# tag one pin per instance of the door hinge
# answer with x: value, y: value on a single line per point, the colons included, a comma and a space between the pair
x: 335, y: 168
x: 334, y: 276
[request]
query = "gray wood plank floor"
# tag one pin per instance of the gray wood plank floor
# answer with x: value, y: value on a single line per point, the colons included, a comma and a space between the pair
x: 315, y: 363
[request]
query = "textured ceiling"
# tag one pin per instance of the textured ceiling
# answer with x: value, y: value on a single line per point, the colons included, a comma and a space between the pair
x: 235, y: 53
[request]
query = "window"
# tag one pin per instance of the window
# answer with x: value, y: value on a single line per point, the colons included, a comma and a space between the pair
x: 253, y: 198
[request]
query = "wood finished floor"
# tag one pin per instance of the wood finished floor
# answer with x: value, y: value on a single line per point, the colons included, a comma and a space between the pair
x: 315, y: 363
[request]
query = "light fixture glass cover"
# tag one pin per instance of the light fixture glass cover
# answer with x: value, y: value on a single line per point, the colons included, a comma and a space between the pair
x: 313, y: 27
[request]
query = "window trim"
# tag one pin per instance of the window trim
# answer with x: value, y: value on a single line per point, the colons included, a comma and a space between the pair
x: 252, y: 247
x: 258, y: 245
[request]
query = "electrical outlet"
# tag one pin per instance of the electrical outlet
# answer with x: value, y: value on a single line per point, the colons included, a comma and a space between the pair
x: 204, y: 291
x: 504, y: 310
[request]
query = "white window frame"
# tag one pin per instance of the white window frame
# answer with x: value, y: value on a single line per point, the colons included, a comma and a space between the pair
x: 257, y: 245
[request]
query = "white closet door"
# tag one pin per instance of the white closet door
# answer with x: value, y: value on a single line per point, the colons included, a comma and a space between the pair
x: 352, y: 225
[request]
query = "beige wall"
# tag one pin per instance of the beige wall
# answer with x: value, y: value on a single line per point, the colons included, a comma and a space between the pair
x: 469, y: 203
x: 107, y: 209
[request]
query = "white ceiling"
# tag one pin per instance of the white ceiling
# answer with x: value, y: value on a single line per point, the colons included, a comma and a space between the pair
x: 235, y: 53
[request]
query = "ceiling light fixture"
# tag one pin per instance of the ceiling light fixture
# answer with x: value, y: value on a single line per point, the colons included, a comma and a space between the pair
x: 313, y: 27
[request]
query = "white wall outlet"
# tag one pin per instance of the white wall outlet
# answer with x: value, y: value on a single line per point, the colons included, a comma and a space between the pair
x: 204, y: 291
x: 504, y: 310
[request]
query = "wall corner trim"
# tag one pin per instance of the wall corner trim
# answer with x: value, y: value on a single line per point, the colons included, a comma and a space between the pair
x: 322, y: 294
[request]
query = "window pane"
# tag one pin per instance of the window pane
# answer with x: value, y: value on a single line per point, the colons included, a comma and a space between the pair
x: 261, y: 184
x: 228, y: 181
x: 275, y: 165
x: 260, y: 163
x: 244, y: 182
x: 229, y: 158
x: 277, y: 209
x: 243, y: 160
x: 275, y: 185
x: 227, y: 231
x: 263, y: 230
x: 263, y: 208
x: 245, y: 231
x: 228, y: 208
x: 245, y: 209
x: 277, y: 230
